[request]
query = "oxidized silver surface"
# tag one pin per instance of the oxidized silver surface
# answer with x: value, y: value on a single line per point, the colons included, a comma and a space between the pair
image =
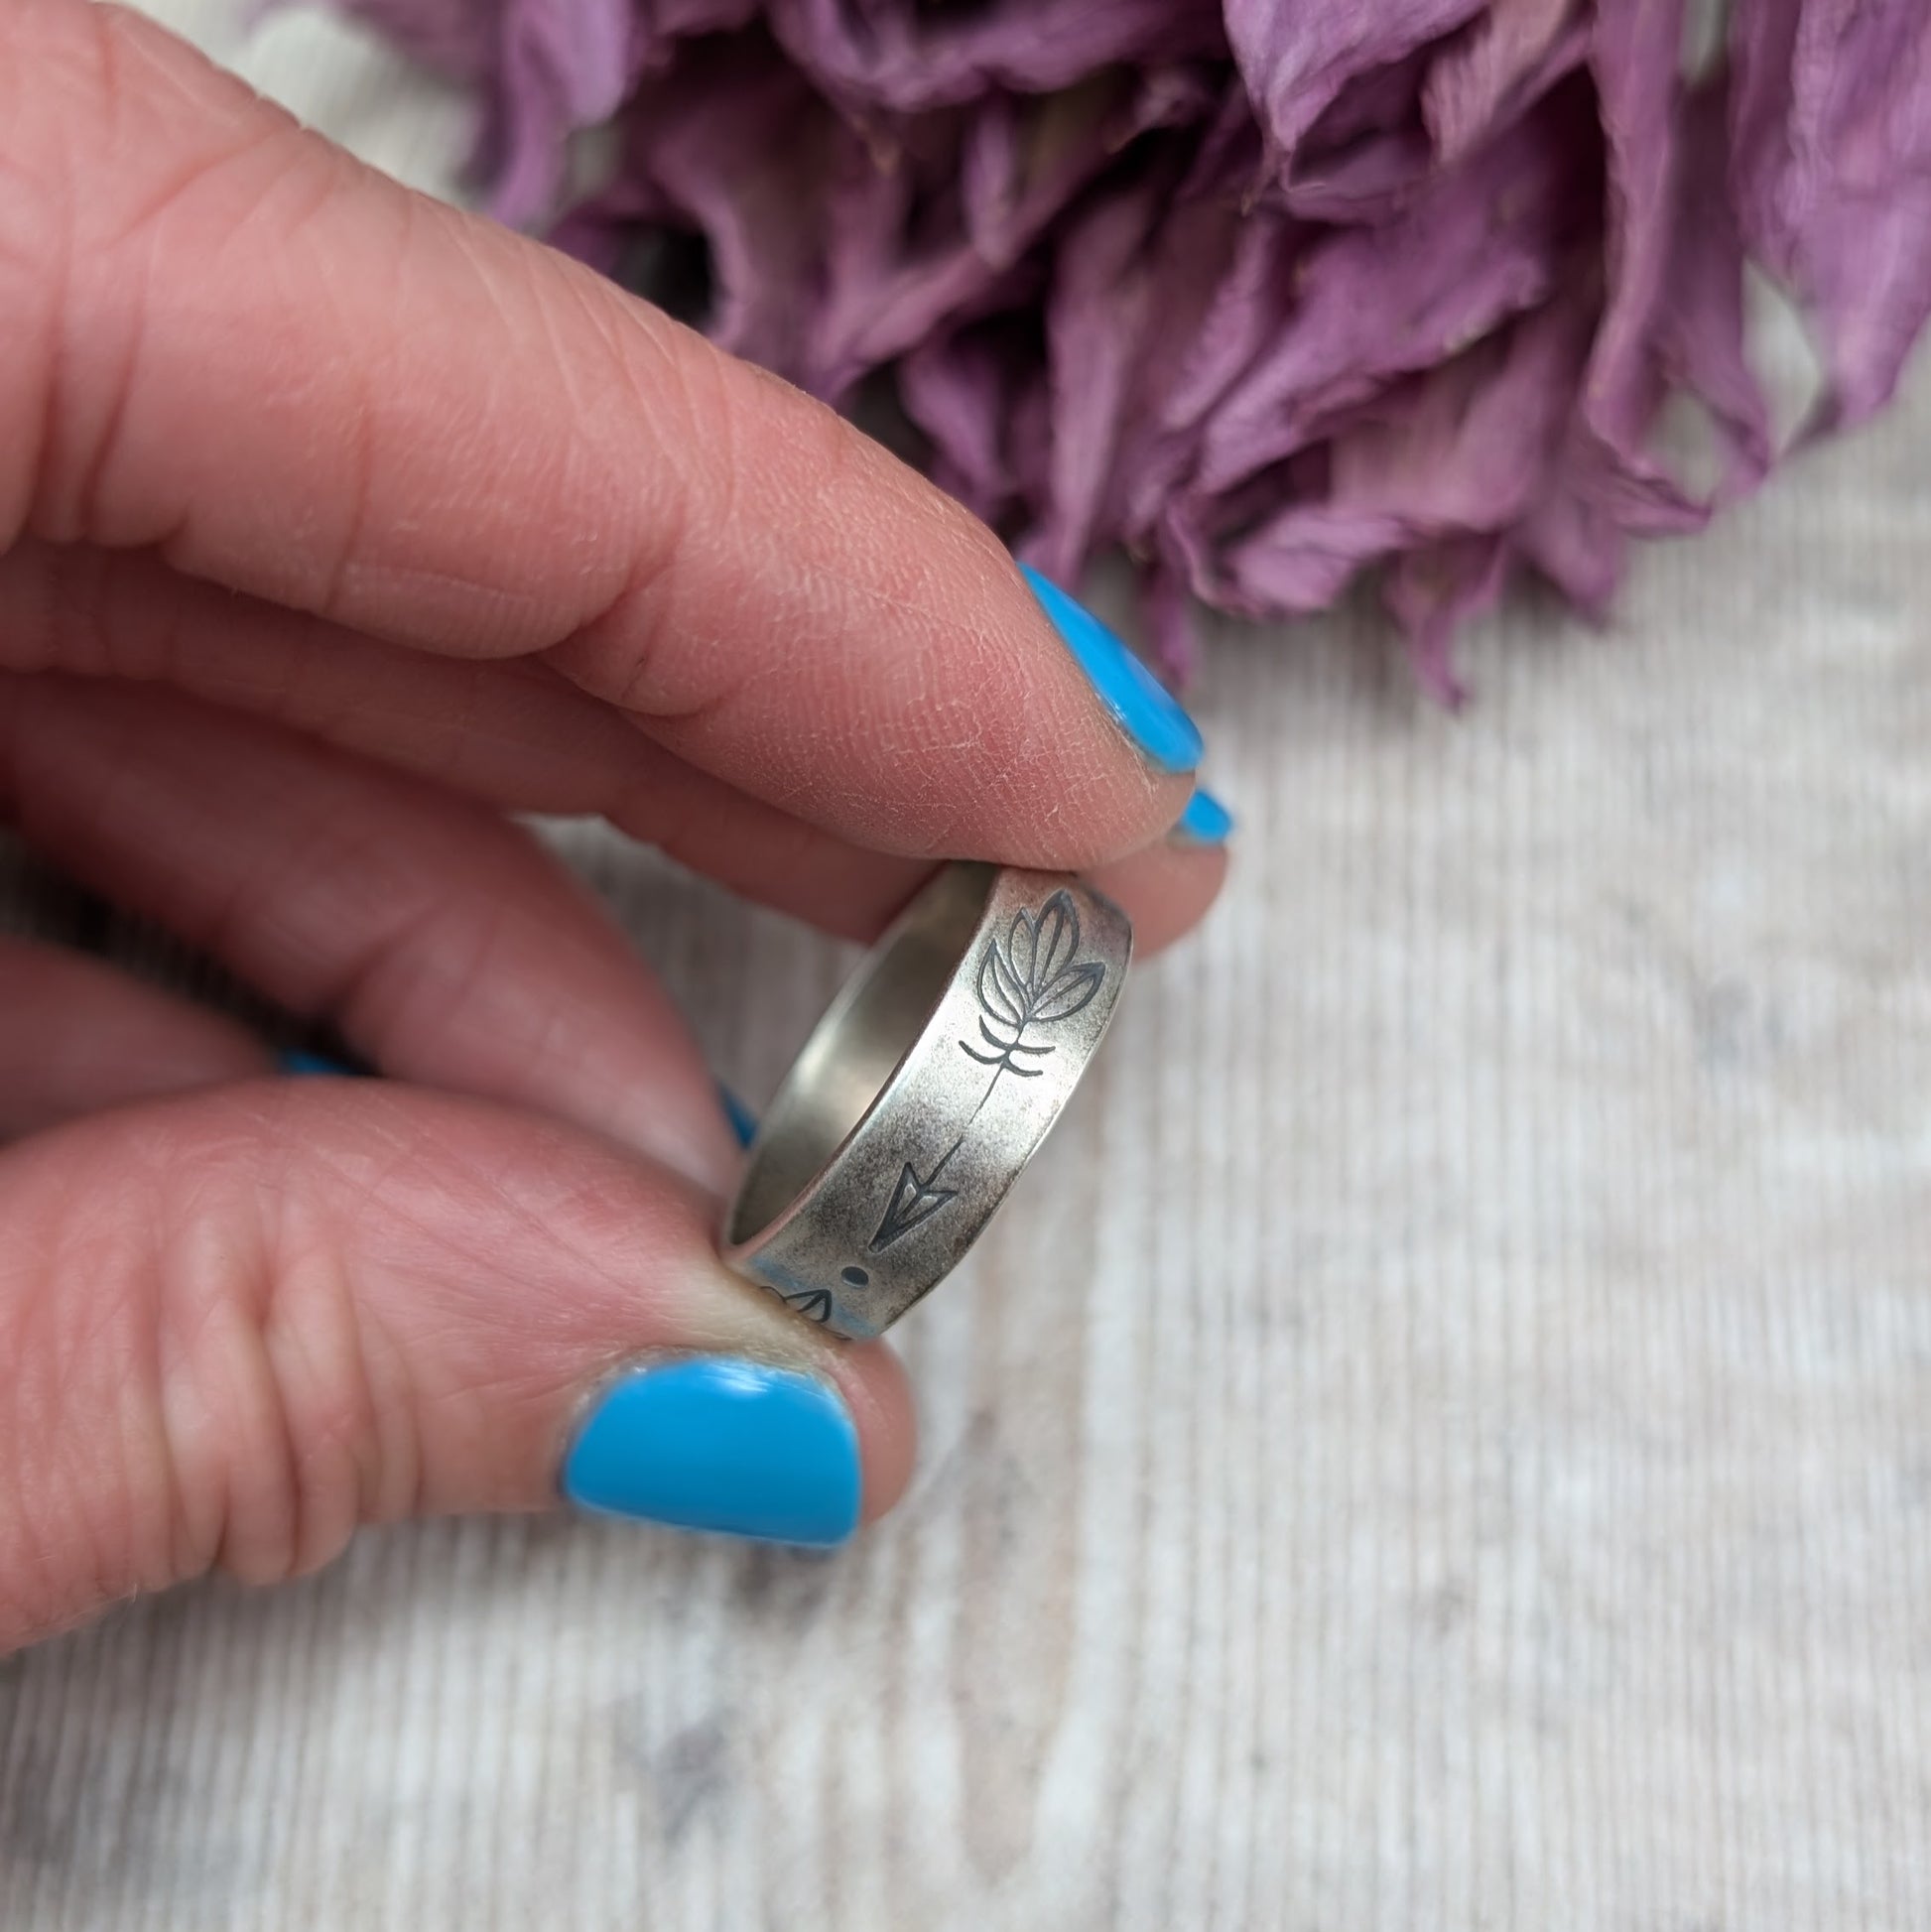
x: 924, y: 1090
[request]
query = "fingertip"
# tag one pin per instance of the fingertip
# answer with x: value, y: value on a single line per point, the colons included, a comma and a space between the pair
x: 878, y: 1393
x: 744, y: 1420
x: 1205, y: 821
x: 739, y: 1446
x: 720, y: 1444
x: 1166, y: 888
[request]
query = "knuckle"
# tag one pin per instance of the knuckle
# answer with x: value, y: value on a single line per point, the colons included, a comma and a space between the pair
x: 261, y: 1365
x: 192, y: 1384
x: 625, y: 651
x: 733, y: 448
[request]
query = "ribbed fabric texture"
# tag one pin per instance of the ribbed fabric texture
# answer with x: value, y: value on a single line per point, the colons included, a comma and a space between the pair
x: 1441, y: 1439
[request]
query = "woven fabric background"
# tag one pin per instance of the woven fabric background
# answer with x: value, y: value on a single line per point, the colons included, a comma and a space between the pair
x: 1441, y: 1439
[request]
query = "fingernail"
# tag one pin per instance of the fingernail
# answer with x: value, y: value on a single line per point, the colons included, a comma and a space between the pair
x: 722, y: 1445
x: 744, y: 1123
x: 1206, y: 821
x: 298, y: 1061
x: 1145, y: 709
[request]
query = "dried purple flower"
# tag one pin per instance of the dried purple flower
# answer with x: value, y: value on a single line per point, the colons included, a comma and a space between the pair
x: 1269, y: 293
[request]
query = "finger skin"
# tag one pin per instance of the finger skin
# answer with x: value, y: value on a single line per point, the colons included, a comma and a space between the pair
x: 295, y: 379
x: 77, y: 1036
x: 515, y: 735
x: 239, y: 1324
x: 1166, y: 889
x: 442, y: 941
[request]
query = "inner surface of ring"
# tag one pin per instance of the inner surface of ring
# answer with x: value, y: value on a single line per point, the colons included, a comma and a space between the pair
x: 868, y: 1030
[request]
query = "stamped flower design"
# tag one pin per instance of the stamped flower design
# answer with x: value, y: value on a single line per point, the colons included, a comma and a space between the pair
x: 1033, y: 978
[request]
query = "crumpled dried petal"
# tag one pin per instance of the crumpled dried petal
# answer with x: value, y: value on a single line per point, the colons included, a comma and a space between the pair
x: 1298, y: 59
x: 1831, y: 177
x: 1269, y: 293
x: 905, y: 56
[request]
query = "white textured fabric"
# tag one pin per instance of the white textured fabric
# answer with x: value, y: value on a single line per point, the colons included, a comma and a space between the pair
x: 1442, y: 1438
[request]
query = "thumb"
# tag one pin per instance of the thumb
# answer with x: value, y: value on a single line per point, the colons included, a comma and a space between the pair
x: 235, y: 1326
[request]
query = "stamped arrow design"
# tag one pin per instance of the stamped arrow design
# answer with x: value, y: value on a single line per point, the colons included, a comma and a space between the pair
x: 915, y: 1199
x: 815, y: 1304
x: 1032, y: 977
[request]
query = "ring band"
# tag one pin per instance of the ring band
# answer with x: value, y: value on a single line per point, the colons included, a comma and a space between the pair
x: 924, y: 1090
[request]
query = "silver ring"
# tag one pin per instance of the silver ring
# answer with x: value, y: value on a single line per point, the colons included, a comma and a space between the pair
x: 924, y: 1090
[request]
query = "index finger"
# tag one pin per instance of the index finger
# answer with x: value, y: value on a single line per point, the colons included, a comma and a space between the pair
x: 302, y: 381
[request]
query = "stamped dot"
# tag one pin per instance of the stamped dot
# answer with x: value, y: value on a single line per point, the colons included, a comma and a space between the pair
x: 855, y: 1278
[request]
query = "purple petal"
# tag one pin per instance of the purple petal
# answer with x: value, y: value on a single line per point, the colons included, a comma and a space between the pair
x: 1482, y: 244
x: 1575, y: 544
x: 1298, y: 57
x: 963, y: 391
x: 1461, y: 451
x: 1266, y: 292
x: 1506, y: 59
x: 1096, y: 329
x: 1635, y: 59
x: 909, y: 57
x: 1700, y: 323
x: 725, y: 145
x: 1830, y: 173
x: 1432, y: 592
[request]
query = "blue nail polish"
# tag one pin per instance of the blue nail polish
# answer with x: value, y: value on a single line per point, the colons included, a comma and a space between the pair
x: 1206, y: 821
x: 744, y: 1123
x: 722, y: 1445
x: 1145, y: 709
x: 298, y: 1061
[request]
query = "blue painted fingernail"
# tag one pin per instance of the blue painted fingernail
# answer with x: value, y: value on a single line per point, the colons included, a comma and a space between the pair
x: 298, y: 1061
x: 744, y: 1123
x: 722, y: 1445
x: 1145, y: 709
x: 1206, y: 821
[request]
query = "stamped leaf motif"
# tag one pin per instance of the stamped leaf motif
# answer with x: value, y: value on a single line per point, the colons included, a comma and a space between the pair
x: 1034, y: 977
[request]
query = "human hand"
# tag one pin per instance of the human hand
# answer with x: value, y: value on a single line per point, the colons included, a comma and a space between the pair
x: 334, y: 526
